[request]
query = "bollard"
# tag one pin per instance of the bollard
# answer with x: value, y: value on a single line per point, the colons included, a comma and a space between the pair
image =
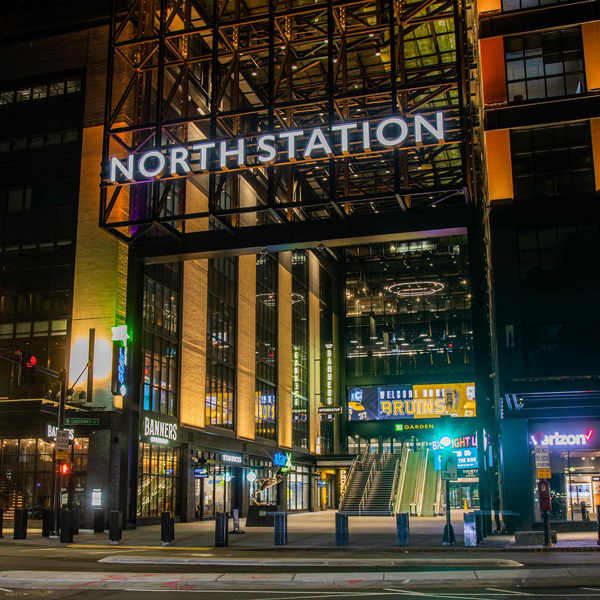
x: 221, y: 530
x: 479, y: 525
x: 342, y: 537
x: 20, y: 524
x: 99, y: 520
x: 66, y: 526
x: 402, y: 529
x: 470, y: 529
x: 280, y: 529
x: 46, y: 522
x: 1, y: 522
x: 114, y: 527
x: 167, y: 528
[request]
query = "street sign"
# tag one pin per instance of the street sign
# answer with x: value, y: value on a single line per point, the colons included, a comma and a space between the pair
x: 62, y: 440
x: 62, y: 455
x: 542, y: 462
x: 449, y: 466
x: 82, y: 421
x: 330, y: 410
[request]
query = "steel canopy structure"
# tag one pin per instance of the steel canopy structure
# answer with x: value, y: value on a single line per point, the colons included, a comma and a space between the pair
x: 185, y: 71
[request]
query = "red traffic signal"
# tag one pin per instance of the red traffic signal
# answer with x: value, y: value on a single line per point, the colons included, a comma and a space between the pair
x: 65, y: 468
x: 27, y: 368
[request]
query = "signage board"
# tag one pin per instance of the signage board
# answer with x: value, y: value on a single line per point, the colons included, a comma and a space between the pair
x: 159, y: 431
x: 449, y: 466
x: 62, y: 440
x: 200, y: 472
x: 413, y: 426
x: 329, y: 387
x: 232, y: 458
x: 321, y: 483
x: 51, y: 431
x: 269, y: 148
x: 81, y: 421
x: 343, y: 462
x: 408, y: 402
x: 582, y: 436
x: 542, y: 462
x: 330, y: 410
x: 61, y: 454
x: 283, y: 461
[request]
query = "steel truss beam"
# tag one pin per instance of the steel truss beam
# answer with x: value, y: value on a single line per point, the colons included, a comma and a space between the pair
x: 184, y: 70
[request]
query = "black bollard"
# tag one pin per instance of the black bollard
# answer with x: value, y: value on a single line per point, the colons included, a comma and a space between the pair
x: 221, y: 530
x: 470, y: 529
x: 1, y: 522
x: 20, y: 524
x: 75, y: 520
x: 167, y: 528
x: 66, y: 526
x: 46, y: 522
x: 342, y: 537
x: 402, y: 529
x: 281, y: 529
x: 99, y: 521
x: 479, y: 525
x: 114, y: 527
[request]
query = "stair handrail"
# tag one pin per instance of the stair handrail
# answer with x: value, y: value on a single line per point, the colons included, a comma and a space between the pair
x: 346, y: 484
x: 421, y: 491
x: 403, y: 464
x: 384, y: 457
x: 394, y: 486
x: 365, y: 493
x: 361, y: 461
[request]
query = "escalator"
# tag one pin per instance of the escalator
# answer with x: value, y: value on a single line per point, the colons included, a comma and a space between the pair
x: 409, y: 481
x: 430, y: 490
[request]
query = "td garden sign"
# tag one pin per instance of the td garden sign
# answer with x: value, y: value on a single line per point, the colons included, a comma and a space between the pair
x: 284, y: 147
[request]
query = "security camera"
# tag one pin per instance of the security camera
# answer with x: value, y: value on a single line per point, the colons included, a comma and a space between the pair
x: 320, y: 247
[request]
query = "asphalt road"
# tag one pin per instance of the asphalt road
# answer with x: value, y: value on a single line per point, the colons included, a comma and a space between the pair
x: 391, y: 592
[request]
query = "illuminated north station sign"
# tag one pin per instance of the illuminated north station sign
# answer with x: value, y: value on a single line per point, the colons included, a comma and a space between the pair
x: 270, y: 148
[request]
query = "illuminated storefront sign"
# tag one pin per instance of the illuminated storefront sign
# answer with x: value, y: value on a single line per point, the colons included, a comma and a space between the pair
x: 51, y: 432
x: 411, y: 401
x: 411, y: 426
x: 159, y: 432
x: 465, y: 449
x: 563, y: 439
x: 283, y: 461
x: 269, y: 148
x: 232, y: 458
x: 328, y: 397
x: 296, y: 378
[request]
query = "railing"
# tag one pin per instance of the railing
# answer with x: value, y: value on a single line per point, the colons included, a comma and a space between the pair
x: 353, y: 467
x: 361, y: 461
x: 422, y: 481
x: 384, y: 457
x: 403, y: 463
x: 365, y: 494
x: 395, y: 486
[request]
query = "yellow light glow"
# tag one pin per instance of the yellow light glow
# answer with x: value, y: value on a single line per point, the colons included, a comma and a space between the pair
x: 102, y: 358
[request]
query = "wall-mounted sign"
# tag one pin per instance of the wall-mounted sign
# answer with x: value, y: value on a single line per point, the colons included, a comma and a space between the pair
x: 411, y: 401
x: 119, y: 376
x: 564, y: 439
x: 283, y: 461
x: 330, y: 410
x: 96, y: 497
x: 466, y: 441
x: 321, y: 483
x: 159, y: 432
x: 232, y: 458
x: 343, y: 478
x: 342, y: 139
x: 81, y: 421
x: 296, y: 380
x: 411, y: 426
x: 200, y: 472
x: 251, y: 476
x: 328, y: 399
x: 52, y: 429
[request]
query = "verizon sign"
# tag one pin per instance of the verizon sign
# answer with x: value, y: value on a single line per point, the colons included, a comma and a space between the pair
x: 565, y: 439
x: 272, y: 148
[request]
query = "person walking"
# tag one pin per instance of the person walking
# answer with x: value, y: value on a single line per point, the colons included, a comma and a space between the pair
x: 496, y: 507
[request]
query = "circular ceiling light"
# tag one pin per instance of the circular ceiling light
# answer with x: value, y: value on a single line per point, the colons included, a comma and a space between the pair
x: 416, y: 288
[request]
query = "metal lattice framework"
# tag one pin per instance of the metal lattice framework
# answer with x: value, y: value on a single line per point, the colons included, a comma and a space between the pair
x: 181, y: 71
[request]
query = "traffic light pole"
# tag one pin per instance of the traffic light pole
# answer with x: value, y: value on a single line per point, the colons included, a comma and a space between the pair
x: 56, y: 500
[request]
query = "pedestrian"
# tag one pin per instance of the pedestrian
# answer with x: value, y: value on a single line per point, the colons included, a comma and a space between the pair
x: 496, y: 507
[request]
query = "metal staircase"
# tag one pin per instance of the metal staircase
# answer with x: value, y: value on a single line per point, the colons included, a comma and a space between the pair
x: 370, y: 489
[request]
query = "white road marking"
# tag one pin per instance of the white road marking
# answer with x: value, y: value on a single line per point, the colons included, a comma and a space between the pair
x: 591, y: 589
x: 5, y: 590
x: 438, y: 596
x: 509, y: 592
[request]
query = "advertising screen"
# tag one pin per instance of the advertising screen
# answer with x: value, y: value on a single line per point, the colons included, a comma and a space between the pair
x: 378, y: 403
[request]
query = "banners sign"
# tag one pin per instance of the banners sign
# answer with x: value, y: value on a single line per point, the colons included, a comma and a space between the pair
x: 411, y: 401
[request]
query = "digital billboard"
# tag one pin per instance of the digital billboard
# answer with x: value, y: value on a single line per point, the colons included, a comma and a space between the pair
x: 377, y: 403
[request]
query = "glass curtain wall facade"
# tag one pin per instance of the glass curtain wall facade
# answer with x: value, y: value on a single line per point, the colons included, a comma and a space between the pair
x: 40, y: 125
x: 300, y: 348
x: 408, y: 308
x: 160, y: 339
x: 159, y: 480
x: 221, y: 342
x: 266, y: 346
x: 326, y: 440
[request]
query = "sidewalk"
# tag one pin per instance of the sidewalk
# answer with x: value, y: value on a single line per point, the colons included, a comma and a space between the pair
x: 316, y: 531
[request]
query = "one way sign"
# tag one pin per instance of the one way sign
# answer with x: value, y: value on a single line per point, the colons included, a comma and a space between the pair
x: 449, y: 466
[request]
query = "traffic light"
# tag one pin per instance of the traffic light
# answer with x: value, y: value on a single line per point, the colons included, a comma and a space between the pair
x: 65, y: 468
x: 28, y: 365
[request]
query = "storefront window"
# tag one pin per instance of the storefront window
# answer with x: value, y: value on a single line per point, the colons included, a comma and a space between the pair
x: 298, y: 489
x: 27, y: 475
x: 159, y: 480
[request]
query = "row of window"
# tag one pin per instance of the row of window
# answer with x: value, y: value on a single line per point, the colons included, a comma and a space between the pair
x: 40, y: 141
x: 38, y: 92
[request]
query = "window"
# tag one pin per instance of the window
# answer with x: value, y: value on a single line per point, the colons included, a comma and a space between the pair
x: 221, y: 342
x: 159, y: 480
x: 563, y: 348
x: 547, y: 161
x: 300, y: 348
x: 512, y: 5
x: 559, y: 259
x: 39, y: 92
x: 266, y: 346
x: 408, y: 308
x: 547, y: 65
x: 160, y: 339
